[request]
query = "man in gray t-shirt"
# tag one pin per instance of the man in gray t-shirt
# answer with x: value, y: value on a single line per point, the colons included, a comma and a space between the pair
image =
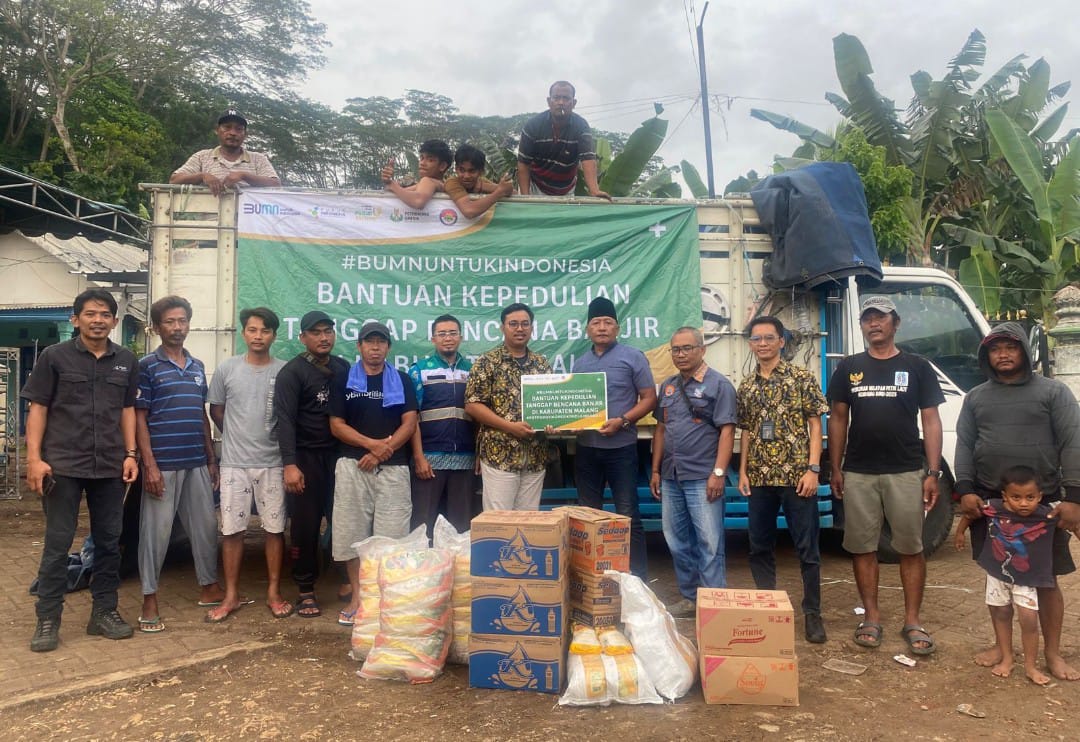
x: 241, y: 401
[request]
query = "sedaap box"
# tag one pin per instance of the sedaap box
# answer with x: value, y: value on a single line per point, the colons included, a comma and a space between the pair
x: 759, y: 681
x: 599, y: 540
x: 593, y: 593
x: 532, y: 607
x: 529, y: 544
x: 536, y: 663
x: 758, y: 623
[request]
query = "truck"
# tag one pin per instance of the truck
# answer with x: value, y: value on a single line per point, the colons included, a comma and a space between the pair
x: 210, y: 250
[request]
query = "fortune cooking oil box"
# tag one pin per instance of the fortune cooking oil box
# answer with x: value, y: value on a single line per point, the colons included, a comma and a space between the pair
x: 760, y: 681
x: 535, y: 663
x: 757, y: 623
x: 531, y: 607
x: 519, y: 544
x: 598, y: 540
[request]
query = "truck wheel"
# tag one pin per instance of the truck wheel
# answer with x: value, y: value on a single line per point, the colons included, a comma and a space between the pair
x: 936, y: 527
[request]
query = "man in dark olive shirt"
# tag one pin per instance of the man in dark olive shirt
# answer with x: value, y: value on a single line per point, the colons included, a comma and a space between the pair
x: 80, y: 436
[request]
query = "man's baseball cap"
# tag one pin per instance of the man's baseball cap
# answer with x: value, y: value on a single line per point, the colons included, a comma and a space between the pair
x: 877, y: 303
x: 375, y: 328
x: 232, y: 115
x: 314, y: 317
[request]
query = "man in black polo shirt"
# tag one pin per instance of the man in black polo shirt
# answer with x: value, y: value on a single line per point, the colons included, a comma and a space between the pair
x: 553, y: 145
x: 80, y: 436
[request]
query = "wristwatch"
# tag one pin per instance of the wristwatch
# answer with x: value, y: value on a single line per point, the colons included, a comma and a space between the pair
x: 814, y: 468
x: 935, y: 473
x: 625, y: 422
x: 718, y: 472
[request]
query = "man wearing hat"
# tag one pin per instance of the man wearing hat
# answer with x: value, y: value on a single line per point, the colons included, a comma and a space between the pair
x: 308, y: 450
x: 882, y: 471
x: 373, y: 414
x: 1018, y: 417
x: 228, y: 163
x: 609, y: 455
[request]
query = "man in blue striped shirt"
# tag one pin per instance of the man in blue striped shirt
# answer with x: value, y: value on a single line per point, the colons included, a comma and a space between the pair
x: 179, y: 467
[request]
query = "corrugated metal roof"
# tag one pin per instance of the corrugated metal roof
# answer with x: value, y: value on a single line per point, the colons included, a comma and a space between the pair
x: 88, y: 257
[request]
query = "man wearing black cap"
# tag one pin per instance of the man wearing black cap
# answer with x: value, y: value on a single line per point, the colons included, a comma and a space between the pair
x: 308, y: 450
x: 228, y: 163
x: 609, y: 455
x: 878, y: 469
x: 373, y: 414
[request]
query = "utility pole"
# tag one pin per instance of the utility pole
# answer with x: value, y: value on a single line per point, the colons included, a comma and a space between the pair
x: 705, y: 101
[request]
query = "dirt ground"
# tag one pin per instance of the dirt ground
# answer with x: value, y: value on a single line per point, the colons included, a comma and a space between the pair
x: 302, y: 685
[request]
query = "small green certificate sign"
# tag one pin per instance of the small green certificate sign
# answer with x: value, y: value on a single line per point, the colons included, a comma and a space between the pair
x: 564, y: 401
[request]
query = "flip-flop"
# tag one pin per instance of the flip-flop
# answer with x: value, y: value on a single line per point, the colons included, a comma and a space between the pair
x: 868, y: 634
x: 209, y: 603
x: 346, y: 617
x: 280, y: 609
x: 210, y: 614
x: 306, y: 603
x: 913, y: 633
x: 151, y: 625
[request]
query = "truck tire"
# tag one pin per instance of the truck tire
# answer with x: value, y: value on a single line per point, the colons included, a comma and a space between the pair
x: 936, y: 527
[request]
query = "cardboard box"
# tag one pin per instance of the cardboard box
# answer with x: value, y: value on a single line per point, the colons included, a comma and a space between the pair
x: 599, y: 540
x: 759, y: 681
x: 536, y: 663
x: 589, y: 618
x: 531, y: 607
x: 595, y: 594
x: 745, y: 623
x: 528, y: 544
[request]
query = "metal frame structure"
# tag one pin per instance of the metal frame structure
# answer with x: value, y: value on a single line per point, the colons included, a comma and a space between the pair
x: 10, y: 452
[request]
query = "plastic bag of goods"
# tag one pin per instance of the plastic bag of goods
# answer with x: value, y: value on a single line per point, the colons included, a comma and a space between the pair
x: 445, y: 536
x: 613, y: 642
x: 586, y: 681
x: 371, y: 551
x: 584, y: 640
x: 668, y: 657
x: 415, y: 619
x: 628, y: 681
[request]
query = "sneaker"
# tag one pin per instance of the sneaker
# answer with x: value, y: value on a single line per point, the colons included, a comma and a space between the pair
x: 815, y: 629
x: 109, y: 624
x: 46, y: 635
x: 685, y: 608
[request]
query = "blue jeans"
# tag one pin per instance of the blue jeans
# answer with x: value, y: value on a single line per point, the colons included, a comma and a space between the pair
x: 801, y: 514
x: 694, y: 531
x: 105, y: 501
x: 618, y: 468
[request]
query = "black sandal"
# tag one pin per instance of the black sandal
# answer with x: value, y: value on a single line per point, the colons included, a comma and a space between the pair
x: 307, y: 602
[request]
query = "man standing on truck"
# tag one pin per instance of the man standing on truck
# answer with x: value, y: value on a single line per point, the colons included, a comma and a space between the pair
x: 444, y: 444
x: 433, y: 164
x: 180, y: 470
x: 513, y: 456
x: 468, y: 178
x: 878, y: 469
x: 692, y: 446
x: 554, y: 145
x: 780, y: 408
x: 80, y: 436
x: 1020, y: 418
x: 308, y: 450
x: 229, y: 163
x: 609, y: 455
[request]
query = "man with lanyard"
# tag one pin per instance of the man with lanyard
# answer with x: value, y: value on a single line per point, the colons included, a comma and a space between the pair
x: 444, y: 444
x: 780, y: 408
x: 513, y: 456
x: 308, y: 450
x: 468, y: 178
x: 80, y: 436
x: 229, y: 163
x: 554, y: 145
x: 180, y: 471
x: 692, y: 446
x: 610, y: 455
x: 878, y: 469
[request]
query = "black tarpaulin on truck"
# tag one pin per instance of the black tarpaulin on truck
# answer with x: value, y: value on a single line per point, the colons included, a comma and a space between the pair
x: 820, y: 229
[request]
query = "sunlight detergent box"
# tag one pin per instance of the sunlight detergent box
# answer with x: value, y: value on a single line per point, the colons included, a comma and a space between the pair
x: 524, y: 544
x: 746, y: 623
x: 536, y: 663
x: 599, y: 540
x: 593, y: 594
x: 531, y: 607
x: 759, y: 681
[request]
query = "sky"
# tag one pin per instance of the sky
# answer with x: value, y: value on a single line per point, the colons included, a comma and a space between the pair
x: 498, y: 58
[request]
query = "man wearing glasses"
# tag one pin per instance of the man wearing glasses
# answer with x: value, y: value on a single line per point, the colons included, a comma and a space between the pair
x: 513, y: 456
x: 444, y: 444
x: 692, y: 446
x: 780, y: 408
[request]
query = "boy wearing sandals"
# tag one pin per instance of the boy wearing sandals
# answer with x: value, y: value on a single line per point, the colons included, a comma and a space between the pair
x: 1016, y: 555
x: 877, y: 469
x: 241, y: 401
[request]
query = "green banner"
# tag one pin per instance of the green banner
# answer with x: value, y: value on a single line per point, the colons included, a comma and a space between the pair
x: 361, y: 259
x: 564, y: 401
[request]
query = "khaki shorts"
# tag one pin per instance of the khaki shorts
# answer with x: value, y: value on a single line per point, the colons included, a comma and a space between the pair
x: 999, y: 592
x: 239, y: 487
x: 368, y: 504
x: 872, y: 499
